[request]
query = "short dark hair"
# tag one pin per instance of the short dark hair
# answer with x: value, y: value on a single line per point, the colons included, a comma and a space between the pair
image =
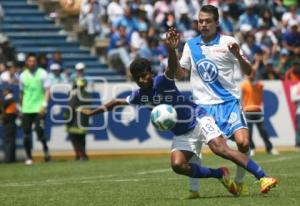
x: 212, y: 10
x: 30, y: 55
x: 139, y: 65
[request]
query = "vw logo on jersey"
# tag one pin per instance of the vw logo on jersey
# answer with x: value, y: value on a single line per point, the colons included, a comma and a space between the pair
x: 207, y: 70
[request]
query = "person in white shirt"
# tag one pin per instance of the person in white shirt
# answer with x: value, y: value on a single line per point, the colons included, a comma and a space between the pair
x: 90, y: 16
x: 56, y: 76
x: 211, y: 59
x: 10, y: 76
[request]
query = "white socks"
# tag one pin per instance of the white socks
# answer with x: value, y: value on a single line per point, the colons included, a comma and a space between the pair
x: 194, y: 182
x: 241, y: 172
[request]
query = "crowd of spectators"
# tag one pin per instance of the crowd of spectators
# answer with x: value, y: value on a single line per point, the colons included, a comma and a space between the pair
x: 268, y: 31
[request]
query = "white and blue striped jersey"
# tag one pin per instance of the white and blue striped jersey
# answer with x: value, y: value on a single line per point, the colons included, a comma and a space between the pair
x: 212, y: 68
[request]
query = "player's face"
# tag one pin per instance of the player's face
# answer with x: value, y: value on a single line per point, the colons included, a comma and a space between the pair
x: 144, y: 80
x: 207, y: 25
x: 31, y: 62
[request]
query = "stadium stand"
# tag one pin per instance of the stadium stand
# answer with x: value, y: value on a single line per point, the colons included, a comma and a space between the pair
x: 31, y: 30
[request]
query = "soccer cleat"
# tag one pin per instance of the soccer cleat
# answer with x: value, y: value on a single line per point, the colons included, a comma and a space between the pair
x: 228, y: 183
x: 242, y: 189
x: 192, y: 195
x: 28, y: 162
x: 266, y: 183
x: 47, y: 157
x: 273, y: 152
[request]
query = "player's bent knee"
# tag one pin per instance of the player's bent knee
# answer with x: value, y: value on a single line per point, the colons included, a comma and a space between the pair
x: 178, y: 168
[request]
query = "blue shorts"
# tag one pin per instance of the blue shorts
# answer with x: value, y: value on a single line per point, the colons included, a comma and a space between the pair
x: 229, y: 116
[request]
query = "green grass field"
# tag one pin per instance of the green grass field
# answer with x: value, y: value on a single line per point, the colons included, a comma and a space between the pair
x: 139, y: 181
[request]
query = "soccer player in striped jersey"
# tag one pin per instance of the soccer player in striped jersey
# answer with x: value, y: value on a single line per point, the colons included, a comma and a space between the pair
x: 211, y: 59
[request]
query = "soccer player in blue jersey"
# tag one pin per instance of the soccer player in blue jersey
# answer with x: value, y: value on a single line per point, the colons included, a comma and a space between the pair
x: 189, y: 135
x: 211, y: 58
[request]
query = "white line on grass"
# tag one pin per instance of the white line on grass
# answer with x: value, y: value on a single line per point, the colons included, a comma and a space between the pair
x: 103, y: 178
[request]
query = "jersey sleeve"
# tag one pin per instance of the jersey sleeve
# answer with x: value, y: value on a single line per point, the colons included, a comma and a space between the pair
x: 185, y: 60
x: 134, y: 98
x: 165, y: 83
x: 45, y: 80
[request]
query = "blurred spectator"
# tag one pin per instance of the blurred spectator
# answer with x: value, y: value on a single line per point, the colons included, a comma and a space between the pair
x: 249, y: 17
x: 168, y: 22
x: 242, y: 33
x: 56, y: 76
x: 142, y: 21
x: 291, y: 38
x: 90, y: 15
x: 278, y: 8
x: 293, y: 73
x: 2, y: 14
x: 266, y: 38
x: 114, y: 11
x: 282, y: 62
x: 79, y: 74
x: 20, y: 61
x: 183, y: 24
x: 7, y: 51
x: 127, y: 21
x: 252, y: 101
x: 79, y: 68
x: 9, y: 115
x: 43, y: 61
x: 161, y: 8
x: 189, y: 7
x: 250, y: 47
x: 139, y: 44
x: 76, y: 126
x: 258, y: 64
x: 135, y: 7
x: 226, y: 23
x: 118, y: 50
x: 270, y: 73
x: 290, y: 15
x: 267, y: 19
x: 10, y: 76
x: 34, y: 96
x: 295, y: 97
x: 56, y: 58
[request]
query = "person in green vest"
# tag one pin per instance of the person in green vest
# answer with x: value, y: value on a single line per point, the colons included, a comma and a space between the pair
x: 34, y: 95
x: 76, y: 121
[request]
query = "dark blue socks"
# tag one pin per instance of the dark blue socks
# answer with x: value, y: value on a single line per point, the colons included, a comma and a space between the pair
x: 204, y: 172
x: 256, y: 170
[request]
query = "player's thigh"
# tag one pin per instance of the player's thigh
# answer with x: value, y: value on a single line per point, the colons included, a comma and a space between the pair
x: 209, y: 129
x: 190, y: 141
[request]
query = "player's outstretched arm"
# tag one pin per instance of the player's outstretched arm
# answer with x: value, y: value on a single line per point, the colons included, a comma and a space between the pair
x: 105, y: 107
x: 172, y: 42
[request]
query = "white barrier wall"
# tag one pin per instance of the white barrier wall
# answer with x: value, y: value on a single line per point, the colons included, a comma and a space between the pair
x: 134, y: 130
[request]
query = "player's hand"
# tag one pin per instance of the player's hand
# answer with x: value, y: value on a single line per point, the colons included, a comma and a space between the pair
x: 172, y: 38
x: 234, y: 49
x: 42, y: 112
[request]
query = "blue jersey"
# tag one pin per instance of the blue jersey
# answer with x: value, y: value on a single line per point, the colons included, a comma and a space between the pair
x: 164, y: 91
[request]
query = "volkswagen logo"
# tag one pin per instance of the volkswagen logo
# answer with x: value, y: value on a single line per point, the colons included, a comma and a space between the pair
x: 207, y: 70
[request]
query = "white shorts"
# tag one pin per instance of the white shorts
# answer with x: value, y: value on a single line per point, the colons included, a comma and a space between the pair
x: 205, y: 130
